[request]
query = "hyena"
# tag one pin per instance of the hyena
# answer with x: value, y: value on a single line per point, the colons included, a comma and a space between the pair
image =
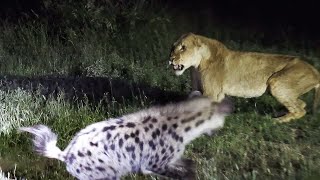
x: 151, y: 141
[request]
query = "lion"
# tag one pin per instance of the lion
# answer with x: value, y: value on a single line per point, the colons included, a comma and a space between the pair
x: 218, y: 71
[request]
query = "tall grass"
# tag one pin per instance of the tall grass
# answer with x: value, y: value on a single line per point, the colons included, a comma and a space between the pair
x: 142, y: 58
x: 18, y: 107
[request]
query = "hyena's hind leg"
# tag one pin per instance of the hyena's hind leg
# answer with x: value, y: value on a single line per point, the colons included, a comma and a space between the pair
x: 183, y: 169
x: 287, y: 85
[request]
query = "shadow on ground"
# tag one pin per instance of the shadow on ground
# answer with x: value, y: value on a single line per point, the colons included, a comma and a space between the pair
x: 92, y: 88
x: 100, y: 89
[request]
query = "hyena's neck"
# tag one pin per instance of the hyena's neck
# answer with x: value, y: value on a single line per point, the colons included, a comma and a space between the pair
x: 195, y: 124
x: 189, y: 120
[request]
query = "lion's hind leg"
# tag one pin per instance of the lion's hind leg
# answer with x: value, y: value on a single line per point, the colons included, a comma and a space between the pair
x: 295, y: 108
x: 287, y: 85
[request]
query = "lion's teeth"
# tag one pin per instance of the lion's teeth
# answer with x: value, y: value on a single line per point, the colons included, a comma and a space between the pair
x: 178, y: 67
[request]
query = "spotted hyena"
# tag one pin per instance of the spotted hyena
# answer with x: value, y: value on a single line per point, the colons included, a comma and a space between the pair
x: 150, y: 141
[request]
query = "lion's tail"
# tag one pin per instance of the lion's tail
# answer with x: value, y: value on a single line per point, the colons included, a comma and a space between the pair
x: 316, y: 98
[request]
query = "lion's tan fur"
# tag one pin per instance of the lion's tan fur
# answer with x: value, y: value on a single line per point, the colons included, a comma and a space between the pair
x: 247, y: 74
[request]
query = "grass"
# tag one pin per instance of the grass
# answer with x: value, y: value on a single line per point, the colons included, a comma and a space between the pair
x: 250, y: 146
x: 6, y: 176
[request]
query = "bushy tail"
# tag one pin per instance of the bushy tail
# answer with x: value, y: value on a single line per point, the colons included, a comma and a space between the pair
x: 44, y: 141
x: 316, y: 98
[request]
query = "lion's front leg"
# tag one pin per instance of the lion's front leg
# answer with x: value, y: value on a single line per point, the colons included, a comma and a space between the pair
x: 213, y: 90
x: 196, y: 83
x: 213, y: 87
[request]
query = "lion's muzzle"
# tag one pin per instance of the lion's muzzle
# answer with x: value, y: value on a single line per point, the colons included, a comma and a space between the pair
x: 176, y: 67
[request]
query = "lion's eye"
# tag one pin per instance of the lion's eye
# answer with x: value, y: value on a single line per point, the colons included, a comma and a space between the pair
x: 183, y: 48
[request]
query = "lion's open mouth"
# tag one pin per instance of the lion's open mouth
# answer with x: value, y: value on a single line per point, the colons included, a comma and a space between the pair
x: 178, y: 67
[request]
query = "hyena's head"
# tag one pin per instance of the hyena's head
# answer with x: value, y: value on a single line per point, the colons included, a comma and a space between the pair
x: 199, y: 115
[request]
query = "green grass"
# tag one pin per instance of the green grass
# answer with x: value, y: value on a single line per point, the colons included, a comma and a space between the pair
x: 250, y: 146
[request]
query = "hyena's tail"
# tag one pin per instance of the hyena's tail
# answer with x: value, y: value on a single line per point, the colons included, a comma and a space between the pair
x: 44, y: 141
x: 316, y: 100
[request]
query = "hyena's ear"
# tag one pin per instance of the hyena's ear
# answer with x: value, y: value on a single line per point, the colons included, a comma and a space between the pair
x: 226, y: 106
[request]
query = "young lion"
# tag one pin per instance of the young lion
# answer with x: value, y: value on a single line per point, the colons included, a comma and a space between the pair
x: 245, y: 74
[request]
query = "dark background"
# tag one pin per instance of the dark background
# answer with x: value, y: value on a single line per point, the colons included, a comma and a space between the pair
x: 300, y: 15
x: 269, y: 16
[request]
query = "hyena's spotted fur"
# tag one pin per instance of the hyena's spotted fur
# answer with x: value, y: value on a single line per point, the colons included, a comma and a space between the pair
x: 150, y: 141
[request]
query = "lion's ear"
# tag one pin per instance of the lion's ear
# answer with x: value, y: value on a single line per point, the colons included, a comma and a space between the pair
x: 187, y: 35
x: 196, y: 42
